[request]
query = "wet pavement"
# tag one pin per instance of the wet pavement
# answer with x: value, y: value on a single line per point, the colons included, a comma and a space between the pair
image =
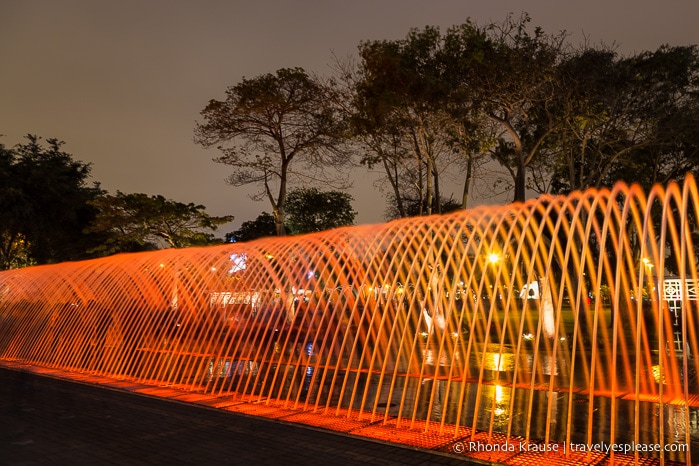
x: 46, y: 420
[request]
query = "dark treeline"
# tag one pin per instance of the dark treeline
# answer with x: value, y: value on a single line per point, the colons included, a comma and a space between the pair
x: 49, y: 213
x: 435, y: 106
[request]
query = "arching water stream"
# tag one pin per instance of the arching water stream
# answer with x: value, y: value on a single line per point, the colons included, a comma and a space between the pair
x: 496, y: 333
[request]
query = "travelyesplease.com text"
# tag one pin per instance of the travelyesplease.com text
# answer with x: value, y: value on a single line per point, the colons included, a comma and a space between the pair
x: 601, y: 447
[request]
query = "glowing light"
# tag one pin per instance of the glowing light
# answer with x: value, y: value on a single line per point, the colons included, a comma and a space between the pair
x: 239, y: 262
x: 499, y: 409
x: 475, y: 340
x: 497, y: 361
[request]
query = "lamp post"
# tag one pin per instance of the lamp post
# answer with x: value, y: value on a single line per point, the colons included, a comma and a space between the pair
x: 649, y: 266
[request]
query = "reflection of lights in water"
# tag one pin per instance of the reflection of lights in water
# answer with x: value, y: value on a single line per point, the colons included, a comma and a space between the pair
x: 530, y: 337
x: 431, y: 357
x: 498, y: 394
x: 656, y: 374
x: 503, y: 362
x: 676, y: 421
x: 548, y: 365
x: 498, y: 361
x: 500, y: 405
x: 363, y: 332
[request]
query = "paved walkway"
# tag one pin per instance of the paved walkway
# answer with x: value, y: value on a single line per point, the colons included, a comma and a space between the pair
x: 44, y: 420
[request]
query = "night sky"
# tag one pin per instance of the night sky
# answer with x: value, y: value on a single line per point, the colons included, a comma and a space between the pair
x: 123, y: 82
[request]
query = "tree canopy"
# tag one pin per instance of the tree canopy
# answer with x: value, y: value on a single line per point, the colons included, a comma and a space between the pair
x: 554, y: 116
x: 261, y: 227
x: 49, y: 213
x: 43, y: 204
x: 310, y: 210
x: 134, y: 222
x: 499, y: 104
x: 269, y: 122
x: 399, y: 116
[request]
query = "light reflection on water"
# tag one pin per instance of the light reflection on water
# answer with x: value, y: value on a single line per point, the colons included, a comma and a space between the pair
x: 491, y: 406
x: 413, y: 319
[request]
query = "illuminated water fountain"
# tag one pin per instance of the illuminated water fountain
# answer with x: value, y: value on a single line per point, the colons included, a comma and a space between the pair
x: 495, y: 333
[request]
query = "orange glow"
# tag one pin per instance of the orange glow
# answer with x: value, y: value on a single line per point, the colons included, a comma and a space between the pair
x: 411, y: 331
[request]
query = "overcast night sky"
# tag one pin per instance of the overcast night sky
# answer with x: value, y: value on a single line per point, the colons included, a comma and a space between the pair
x: 123, y: 82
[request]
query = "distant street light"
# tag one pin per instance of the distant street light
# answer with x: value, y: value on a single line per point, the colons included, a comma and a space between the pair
x: 649, y: 266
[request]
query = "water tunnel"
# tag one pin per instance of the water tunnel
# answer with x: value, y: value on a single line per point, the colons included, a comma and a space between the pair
x: 554, y: 324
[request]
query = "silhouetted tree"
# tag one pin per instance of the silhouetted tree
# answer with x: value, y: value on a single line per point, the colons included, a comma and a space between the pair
x: 310, y: 210
x: 630, y: 119
x: 140, y: 222
x: 400, y: 118
x: 509, y: 77
x: 261, y: 227
x: 269, y: 122
x: 43, y: 204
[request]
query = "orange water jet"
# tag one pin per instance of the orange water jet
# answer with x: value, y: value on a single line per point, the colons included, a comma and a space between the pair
x: 555, y: 321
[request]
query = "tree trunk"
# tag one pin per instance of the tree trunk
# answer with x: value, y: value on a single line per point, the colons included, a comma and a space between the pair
x: 467, y: 183
x: 279, y: 222
x: 520, y: 180
x: 429, y: 197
